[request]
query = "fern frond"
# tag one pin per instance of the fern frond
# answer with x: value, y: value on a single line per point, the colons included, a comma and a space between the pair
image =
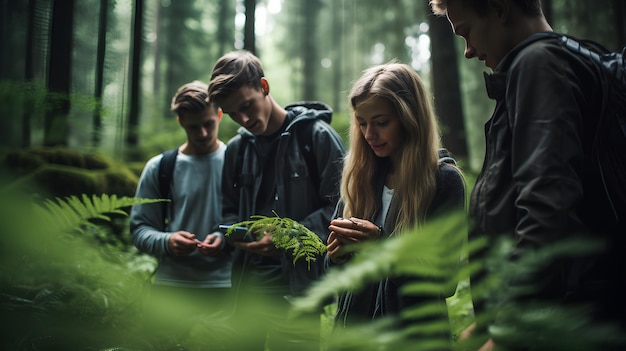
x: 73, y: 212
x: 287, y: 234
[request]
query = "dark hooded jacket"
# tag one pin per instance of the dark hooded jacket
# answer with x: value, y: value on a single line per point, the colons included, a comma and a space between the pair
x: 539, y: 184
x: 300, y: 195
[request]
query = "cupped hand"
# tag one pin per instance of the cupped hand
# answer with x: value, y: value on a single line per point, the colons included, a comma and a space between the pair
x: 354, y: 230
x: 211, y: 246
x: 263, y: 246
x: 334, y: 248
x: 182, y: 243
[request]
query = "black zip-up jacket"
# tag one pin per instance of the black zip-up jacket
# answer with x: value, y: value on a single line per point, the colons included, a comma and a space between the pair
x: 296, y: 195
x: 384, y: 298
x: 539, y: 184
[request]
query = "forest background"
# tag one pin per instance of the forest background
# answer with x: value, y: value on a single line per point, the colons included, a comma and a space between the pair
x: 85, y: 89
x: 100, y: 74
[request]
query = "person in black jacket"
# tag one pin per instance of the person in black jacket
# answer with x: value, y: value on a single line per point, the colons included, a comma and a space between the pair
x: 393, y: 181
x: 539, y: 184
x: 285, y: 162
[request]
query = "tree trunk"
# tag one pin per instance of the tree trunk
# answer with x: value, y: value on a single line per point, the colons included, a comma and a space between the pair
x: 446, y: 87
x: 135, y: 76
x: 99, y: 83
x: 249, y: 38
x: 222, y: 26
x: 156, y: 52
x: 336, y: 57
x: 56, y: 130
x: 310, y: 61
x: 29, y: 74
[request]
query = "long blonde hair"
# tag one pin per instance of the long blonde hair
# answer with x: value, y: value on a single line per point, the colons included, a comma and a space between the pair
x: 417, y: 168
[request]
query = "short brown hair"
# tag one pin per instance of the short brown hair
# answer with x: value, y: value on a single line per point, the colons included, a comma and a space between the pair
x: 232, y: 71
x: 191, y: 97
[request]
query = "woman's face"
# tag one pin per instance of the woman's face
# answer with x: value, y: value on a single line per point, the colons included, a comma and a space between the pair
x: 380, y: 126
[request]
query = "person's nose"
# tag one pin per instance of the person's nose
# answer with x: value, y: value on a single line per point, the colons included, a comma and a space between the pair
x: 469, y: 51
x: 370, y: 134
x: 204, y: 131
x: 243, y: 118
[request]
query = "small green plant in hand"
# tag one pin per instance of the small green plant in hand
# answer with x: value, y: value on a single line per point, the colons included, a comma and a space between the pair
x: 287, y: 234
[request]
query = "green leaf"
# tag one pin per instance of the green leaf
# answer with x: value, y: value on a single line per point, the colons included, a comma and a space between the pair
x: 287, y: 234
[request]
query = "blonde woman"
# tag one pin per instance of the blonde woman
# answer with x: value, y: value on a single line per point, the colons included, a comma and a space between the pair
x: 393, y: 179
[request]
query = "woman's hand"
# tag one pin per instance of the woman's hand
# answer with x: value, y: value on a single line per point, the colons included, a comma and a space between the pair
x: 348, y: 231
x: 334, y: 248
x: 354, y: 230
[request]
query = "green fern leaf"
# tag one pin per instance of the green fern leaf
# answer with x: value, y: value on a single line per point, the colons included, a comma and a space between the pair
x: 287, y: 234
x: 73, y: 213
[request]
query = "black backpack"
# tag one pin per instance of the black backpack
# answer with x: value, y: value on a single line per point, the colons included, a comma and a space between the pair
x: 166, y: 173
x: 609, y: 142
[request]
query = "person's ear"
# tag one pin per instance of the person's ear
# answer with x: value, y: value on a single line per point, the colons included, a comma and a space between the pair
x: 219, y: 114
x: 265, y: 86
x: 178, y: 119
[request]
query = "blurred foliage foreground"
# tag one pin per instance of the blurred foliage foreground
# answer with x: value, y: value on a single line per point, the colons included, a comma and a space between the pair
x: 65, y: 286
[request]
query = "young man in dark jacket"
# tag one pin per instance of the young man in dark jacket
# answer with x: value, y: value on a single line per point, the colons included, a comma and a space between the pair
x: 539, y: 184
x: 285, y: 162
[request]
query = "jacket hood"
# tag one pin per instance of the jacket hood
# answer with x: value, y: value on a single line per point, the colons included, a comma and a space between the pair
x: 300, y: 111
x: 311, y: 110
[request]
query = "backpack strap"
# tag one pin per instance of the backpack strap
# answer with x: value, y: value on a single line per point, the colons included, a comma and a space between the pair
x: 166, y: 173
x: 305, y: 141
x: 445, y: 156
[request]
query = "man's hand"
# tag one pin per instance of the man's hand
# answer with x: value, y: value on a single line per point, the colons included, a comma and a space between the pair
x: 264, y: 247
x: 182, y: 243
x: 211, y: 246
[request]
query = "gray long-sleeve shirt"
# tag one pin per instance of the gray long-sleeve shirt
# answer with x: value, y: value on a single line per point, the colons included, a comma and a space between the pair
x: 196, y: 207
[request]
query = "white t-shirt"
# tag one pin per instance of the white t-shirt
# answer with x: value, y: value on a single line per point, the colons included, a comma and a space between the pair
x: 386, y: 199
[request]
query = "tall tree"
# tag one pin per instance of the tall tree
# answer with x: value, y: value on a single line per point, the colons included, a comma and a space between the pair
x: 56, y: 129
x: 99, y: 81
x: 336, y: 8
x: 397, y: 27
x: 249, y: 33
x: 187, y: 48
x: 310, y: 59
x: 173, y: 48
x: 135, y: 75
x: 29, y: 74
x: 224, y: 27
x: 10, y: 20
x: 156, y: 52
x: 446, y: 86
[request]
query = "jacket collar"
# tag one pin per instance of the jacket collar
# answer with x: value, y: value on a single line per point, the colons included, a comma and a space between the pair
x: 496, y: 82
